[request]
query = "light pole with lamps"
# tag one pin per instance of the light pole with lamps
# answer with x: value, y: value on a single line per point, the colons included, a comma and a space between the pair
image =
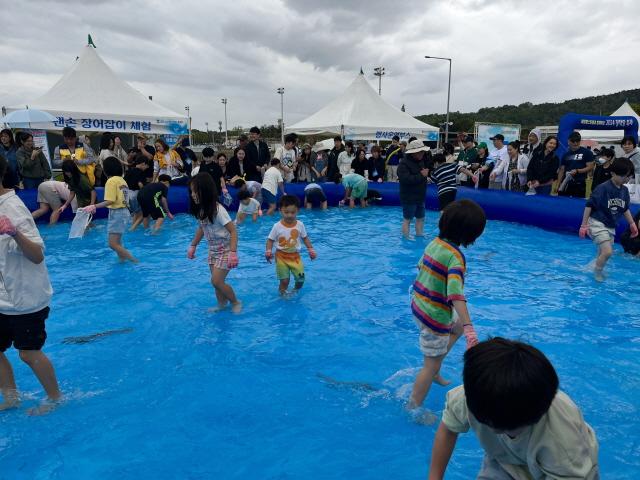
x: 379, y: 72
x: 281, y: 92
x: 189, y: 120
x: 446, y: 127
x: 206, y: 124
x: 226, y: 130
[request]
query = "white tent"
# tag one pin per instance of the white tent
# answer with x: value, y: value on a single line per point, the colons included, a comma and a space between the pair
x: 361, y: 114
x: 611, y: 135
x: 90, y: 97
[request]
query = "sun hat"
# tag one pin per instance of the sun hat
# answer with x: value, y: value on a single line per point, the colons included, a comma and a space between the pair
x: 416, y: 146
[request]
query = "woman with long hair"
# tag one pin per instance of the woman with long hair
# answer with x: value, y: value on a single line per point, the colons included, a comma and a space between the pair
x: 167, y: 162
x: 33, y: 166
x: 542, y: 170
x: 9, y: 150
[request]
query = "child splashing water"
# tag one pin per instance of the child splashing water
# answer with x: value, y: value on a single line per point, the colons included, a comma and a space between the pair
x: 439, y: 305
x: 220, y: 232
x: 286, y: 234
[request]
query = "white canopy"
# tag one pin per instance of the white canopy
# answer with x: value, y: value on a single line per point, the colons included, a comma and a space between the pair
x: 361, y: 114
x: 90, y: 97
x: 610, y: 135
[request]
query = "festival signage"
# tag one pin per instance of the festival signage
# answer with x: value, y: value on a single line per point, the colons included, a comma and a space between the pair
x: 128, y: 125
x: 484, y: 131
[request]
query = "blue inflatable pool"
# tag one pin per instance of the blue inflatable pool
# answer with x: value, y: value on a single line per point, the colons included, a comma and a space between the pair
x: 551, y: 213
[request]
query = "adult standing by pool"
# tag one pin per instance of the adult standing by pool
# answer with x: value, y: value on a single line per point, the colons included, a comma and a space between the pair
x: 258, y: 151
x: 9, y: 150
x: 332, y: 160
x: 543, y: 167
x: 287, y: 155
x: 167, y: 162
x: 500, y: 160
x: 33, y: 166
x: 413, y: 176
x: 392, y: 159
x: 81, y: 154
x: 467, y: 158
x: 346, y: 158
x: 533, y: 144
x: 107, y: 149
x: 241, y: 166
x: 518, y: 163
x: 484, y: 165
x: 576, y: 163
x: 631, y: 151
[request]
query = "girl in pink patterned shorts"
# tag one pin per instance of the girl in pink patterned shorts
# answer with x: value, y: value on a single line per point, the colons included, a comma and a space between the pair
x: 216, y: 226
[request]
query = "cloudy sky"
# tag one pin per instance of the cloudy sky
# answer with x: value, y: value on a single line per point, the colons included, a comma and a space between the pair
x: 196, y: 52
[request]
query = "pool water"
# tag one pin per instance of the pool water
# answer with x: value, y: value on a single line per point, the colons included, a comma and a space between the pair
x: 176, y: 392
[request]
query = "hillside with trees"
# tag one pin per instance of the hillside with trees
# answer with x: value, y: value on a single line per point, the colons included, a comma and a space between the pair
x: 529, y: 115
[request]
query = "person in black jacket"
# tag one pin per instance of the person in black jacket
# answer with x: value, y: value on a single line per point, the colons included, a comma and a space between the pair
x: 543, y: 167
x: 242, y: 167
x: 602, y: 172
x: 257, y: 150
x: 413, y: 176
x: 377, y: 172
x: 361, y: 164
x: 332, y: 161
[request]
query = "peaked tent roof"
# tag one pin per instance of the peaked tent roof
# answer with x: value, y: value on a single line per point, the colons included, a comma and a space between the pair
x: 361, y: 114
x: 611, y: 135
x: 91, y: 90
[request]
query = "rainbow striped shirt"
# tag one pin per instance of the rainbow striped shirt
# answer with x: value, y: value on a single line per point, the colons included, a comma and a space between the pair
x: 440, y: 281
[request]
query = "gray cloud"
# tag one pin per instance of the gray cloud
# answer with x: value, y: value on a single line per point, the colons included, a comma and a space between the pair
x: 503, y: 51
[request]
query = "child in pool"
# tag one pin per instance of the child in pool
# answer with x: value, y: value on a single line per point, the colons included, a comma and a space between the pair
x: 527, y: 428
x: 286, y: 234
x: 248, y: 206
x: 25, y: 293
x: 608, y: 202
x: 438, y: 304
x: 216, y: 226
x: 116, y: 200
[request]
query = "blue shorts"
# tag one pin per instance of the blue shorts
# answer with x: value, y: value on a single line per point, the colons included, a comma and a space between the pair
x: 119, y: 219
x: 411, y: 210
x: 268, y: 197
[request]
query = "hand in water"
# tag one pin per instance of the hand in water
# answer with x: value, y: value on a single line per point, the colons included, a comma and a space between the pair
x: 191, y: 252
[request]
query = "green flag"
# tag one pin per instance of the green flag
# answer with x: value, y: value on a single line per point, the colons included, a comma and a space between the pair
x: 90, y: 42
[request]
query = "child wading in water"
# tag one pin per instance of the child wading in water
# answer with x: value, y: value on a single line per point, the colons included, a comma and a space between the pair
x: 608, y: 202
x: 439, y: 305
x: 25, y: 292
x: 116, y: 200
x: 216, y: 226
x: 286, y: 234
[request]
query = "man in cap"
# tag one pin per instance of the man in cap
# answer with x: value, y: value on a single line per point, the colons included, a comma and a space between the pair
x: 467, y: 158
x: 576, y: 163
x: 500, y: 160
x: 413, y: 176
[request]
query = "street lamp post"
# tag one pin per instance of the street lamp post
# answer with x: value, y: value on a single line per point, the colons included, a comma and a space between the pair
x: 446, y: 127
x: 206, y: 124
x: 226, y: 130
x: 379, y: 72
x: 281, y: 92
x: 189, y: 120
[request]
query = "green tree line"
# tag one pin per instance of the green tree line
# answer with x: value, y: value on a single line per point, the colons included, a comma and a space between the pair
x: 529, y: 115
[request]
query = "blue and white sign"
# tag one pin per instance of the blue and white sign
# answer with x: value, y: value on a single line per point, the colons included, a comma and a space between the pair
x: 484, y: 132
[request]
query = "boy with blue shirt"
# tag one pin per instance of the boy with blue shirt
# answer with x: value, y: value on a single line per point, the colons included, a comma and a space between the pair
x: 608, y: 202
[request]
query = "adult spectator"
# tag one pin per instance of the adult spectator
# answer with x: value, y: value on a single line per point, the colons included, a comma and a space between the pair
x: 448, y: 150
x: 241, y: 166
x: 500, y: 160
x: 332, y: 159
x: 602, y: 172
x: 33, y: 165
x: 631, y: 151
x: 413, y: 176
x: 576, y: 163
x: 141, y: 147
x: 361, y: 164
x: 211, y: 166
x: 243, y: 140
x: 485, y: 166
x: 167, y: 162
x: 187, y: 155
x: 392, y: 158
x: 81, y: 154
x: 467, y: 159
x: 9, y: 150
x: 223, y: 163
x: 378, y: 170
x: 319, y: 163
x: 518, y: 163
x: 258, y: 150
x: 119, y: 151
x: 107, y: 149
x: 346, y: 158
x: 51, y: 195
x: 543, y: 167
x: 305, y: 172
x: 287, y: 155
x: 534, y: 142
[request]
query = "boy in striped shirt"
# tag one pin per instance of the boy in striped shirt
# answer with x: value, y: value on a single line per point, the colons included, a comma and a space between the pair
x: 444, y: 175
x: 438, y: 304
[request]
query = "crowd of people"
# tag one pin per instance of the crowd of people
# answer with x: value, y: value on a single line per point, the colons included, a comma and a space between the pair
x: 542, y: 437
